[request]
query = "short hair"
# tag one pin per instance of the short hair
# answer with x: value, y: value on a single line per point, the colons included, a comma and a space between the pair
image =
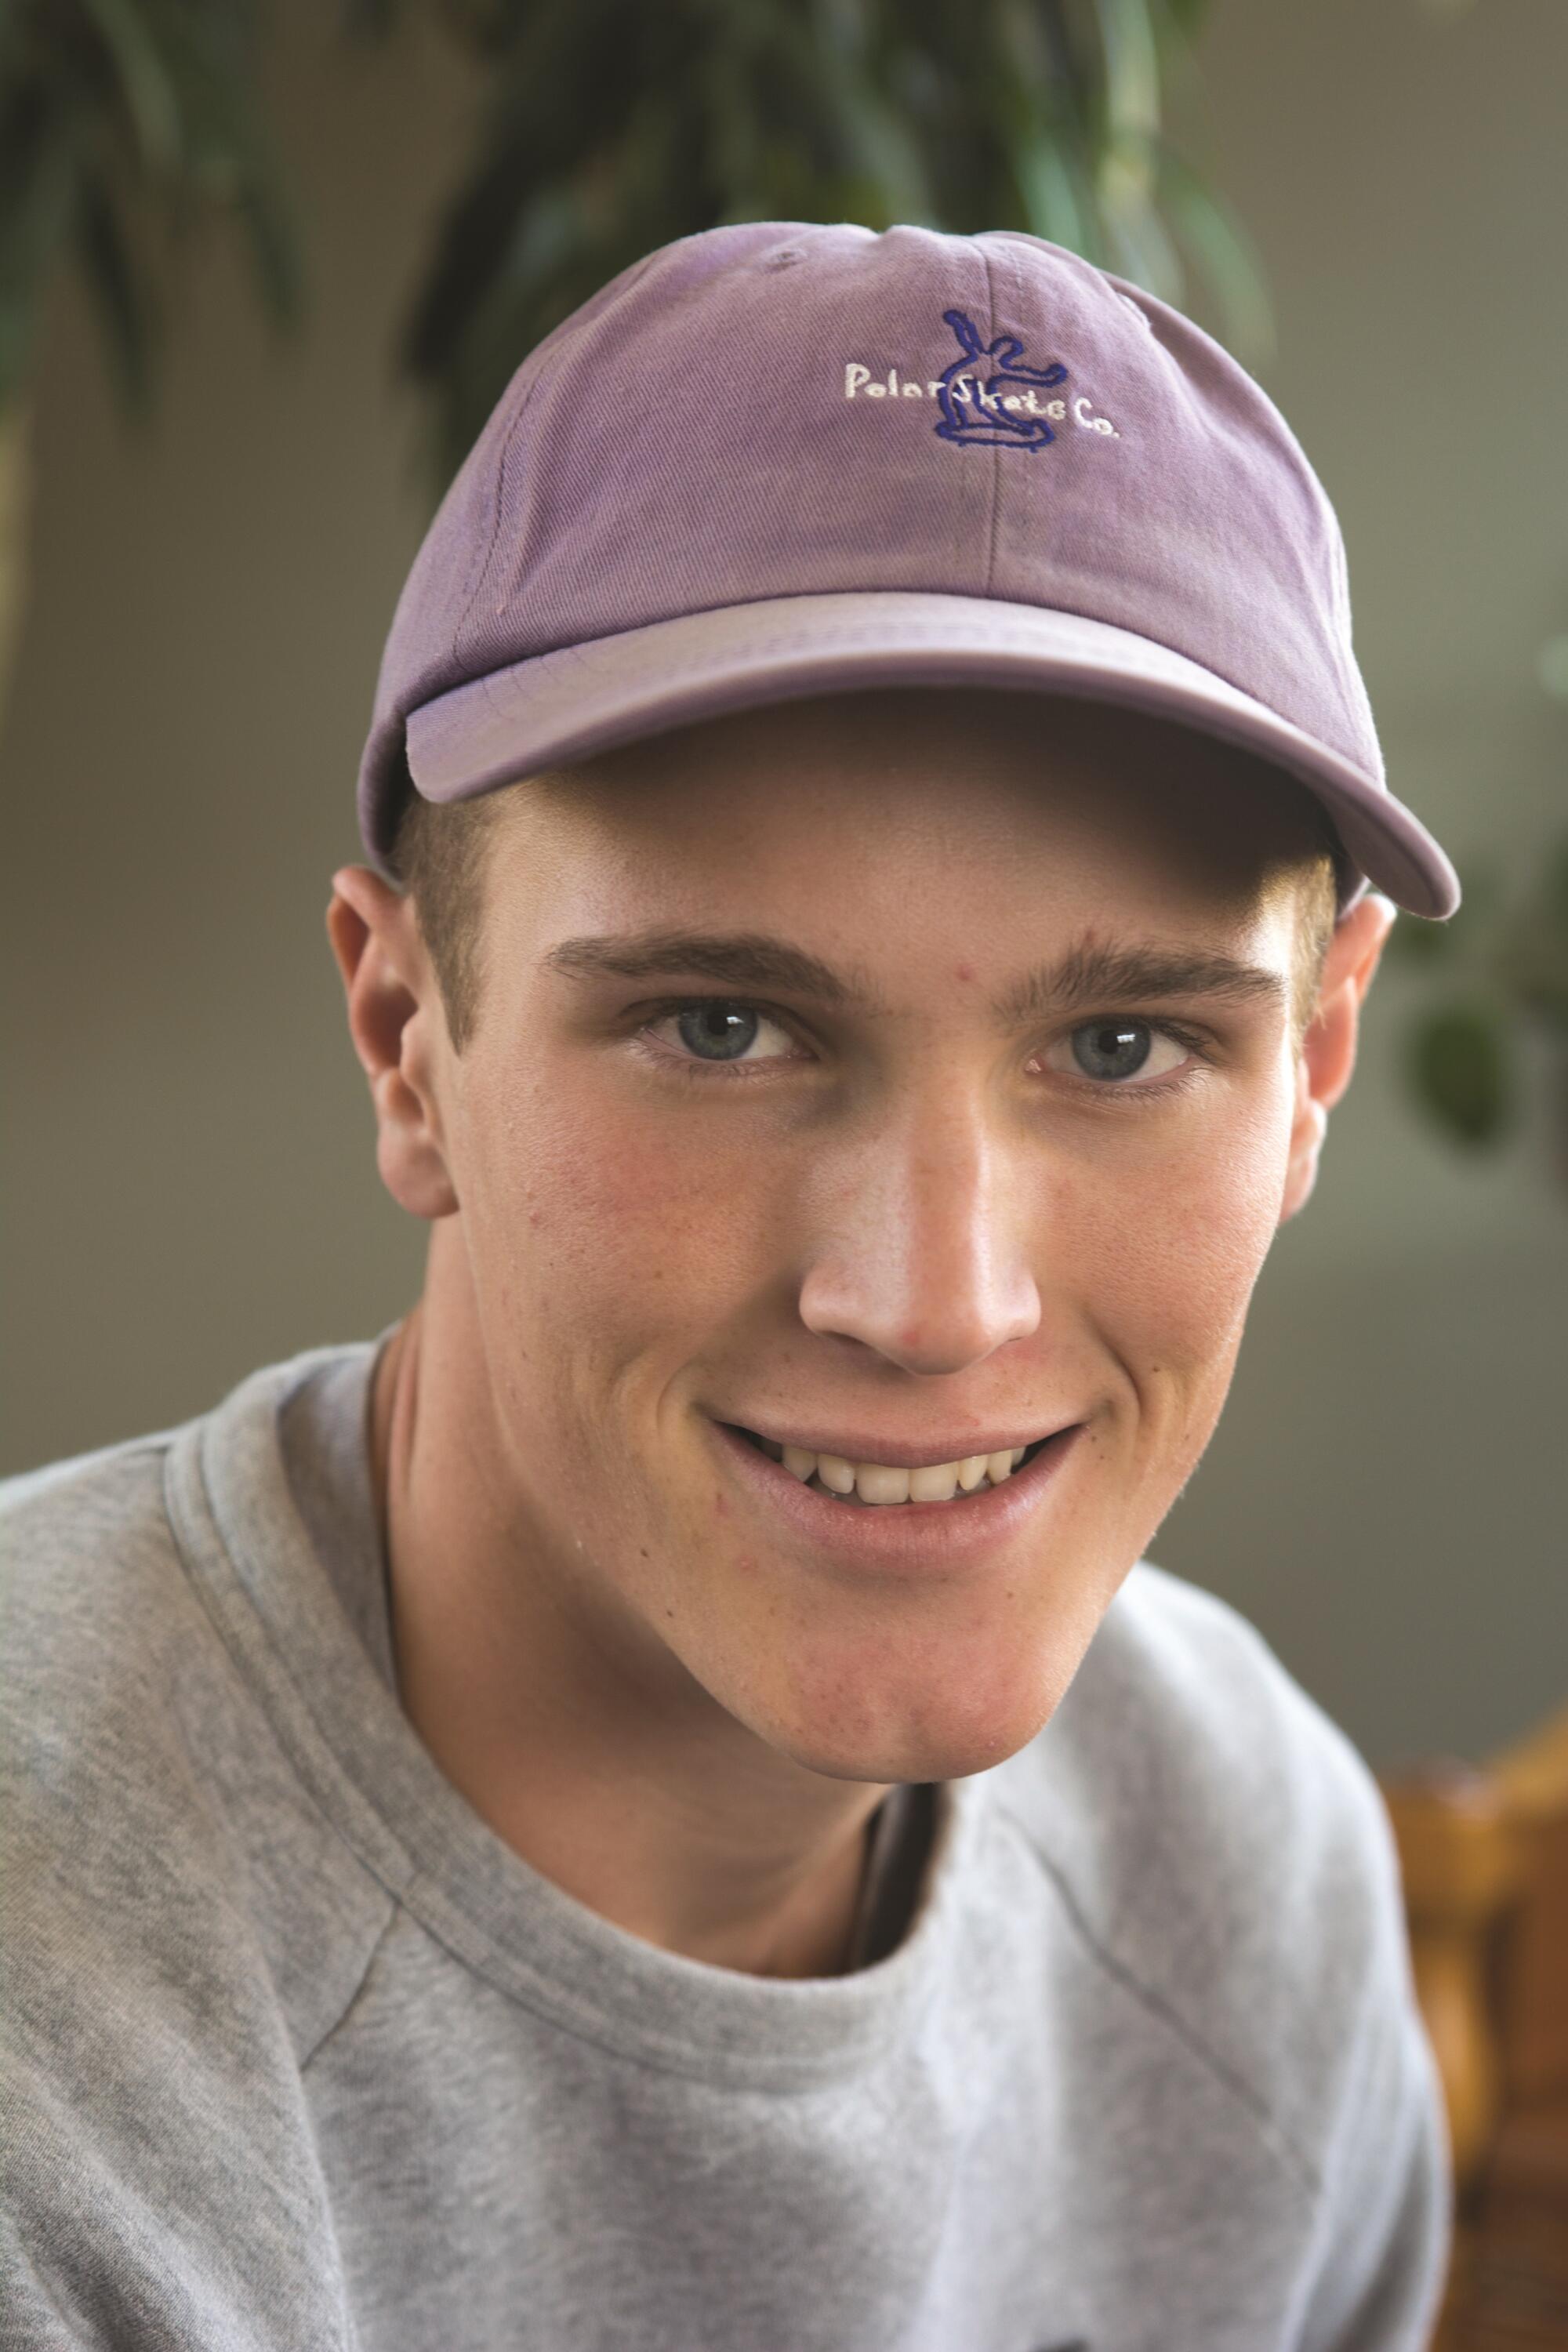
x: 438, y: 854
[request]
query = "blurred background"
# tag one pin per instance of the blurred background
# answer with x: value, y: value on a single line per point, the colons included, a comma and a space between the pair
x: 264, y: 269
x: 189, y: 1181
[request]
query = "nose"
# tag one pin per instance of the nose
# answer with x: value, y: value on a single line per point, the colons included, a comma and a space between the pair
x: 922, y: 1255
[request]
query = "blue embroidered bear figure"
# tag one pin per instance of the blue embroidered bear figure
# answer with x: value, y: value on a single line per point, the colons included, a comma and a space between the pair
x: 977, y: 414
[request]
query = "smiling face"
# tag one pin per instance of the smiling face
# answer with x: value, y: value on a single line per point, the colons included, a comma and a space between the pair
x: 904, y: 1162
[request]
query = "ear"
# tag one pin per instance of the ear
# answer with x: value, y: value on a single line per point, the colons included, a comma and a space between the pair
x: 394, y: 1020
x: 1328, y: 1051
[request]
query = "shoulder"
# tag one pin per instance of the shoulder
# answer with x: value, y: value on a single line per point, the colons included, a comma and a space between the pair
x: 181, y: 1930
x: 151, y: 1830
x: 90, y: 1583
x: 96, y: 1590
x: 1186, y: 1735
x: 84, y: 1490
x: 1220, y: 1843
x: 1180, y: 1685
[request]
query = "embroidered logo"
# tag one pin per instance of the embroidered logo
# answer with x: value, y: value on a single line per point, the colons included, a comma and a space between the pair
x: 985, y: 413
x: 1004, y: 410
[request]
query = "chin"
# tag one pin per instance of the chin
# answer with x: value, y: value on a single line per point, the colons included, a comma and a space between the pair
x: 946, y: 1735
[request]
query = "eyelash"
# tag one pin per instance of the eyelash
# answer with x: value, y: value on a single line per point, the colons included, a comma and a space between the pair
x: 1175, y: 1081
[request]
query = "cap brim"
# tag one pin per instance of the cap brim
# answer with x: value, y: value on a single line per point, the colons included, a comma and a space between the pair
x: 564, y: 706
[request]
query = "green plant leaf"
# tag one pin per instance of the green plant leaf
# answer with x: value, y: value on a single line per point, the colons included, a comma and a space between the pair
x: 126, y: 33
x: 126, y: 308
x: 1464, y: 937
x: 1459, y: 1074
x: 368, y: 20
x: 1415, y: 941
x: 231, y: 163
x: 1142, y: 250
x: 608, y: 130
x: 1212, y: 232
x: 1132, y: 71
x: 1554, y: 889
x: 38, y: 173
x: 1057, y: 204
x: 1529, y: 955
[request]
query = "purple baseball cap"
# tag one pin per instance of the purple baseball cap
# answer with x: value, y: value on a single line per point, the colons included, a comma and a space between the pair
x: 784, y: 458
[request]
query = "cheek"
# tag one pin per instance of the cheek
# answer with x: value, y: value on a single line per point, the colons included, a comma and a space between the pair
x: 1168, y: 1254
x: 625, y: 1219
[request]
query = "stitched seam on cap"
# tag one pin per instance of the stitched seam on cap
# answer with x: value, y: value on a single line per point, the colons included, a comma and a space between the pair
x: 991, y: 335
x: 553, y: 335
x: 462, y: 621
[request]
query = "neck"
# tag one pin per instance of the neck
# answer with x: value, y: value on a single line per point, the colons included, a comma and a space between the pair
x: 608, y: 1770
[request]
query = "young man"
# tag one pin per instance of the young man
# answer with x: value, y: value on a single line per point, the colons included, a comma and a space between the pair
x: 658, y: 1806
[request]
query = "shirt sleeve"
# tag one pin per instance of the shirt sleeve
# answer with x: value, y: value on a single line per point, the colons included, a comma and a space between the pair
x: 1384, y: 2238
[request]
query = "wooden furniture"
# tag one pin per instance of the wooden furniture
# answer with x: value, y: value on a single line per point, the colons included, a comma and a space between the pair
x: 1484, y: 1855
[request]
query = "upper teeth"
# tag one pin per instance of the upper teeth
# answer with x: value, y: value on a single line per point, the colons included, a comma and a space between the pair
x: 878, y: 1482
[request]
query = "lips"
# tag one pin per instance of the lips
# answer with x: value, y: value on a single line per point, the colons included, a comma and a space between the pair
x: 865, y: 1445
x: 907, y: 1539
x: 883, y: 1485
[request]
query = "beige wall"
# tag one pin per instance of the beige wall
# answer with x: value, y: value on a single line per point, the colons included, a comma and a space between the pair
x: 189, y: 1181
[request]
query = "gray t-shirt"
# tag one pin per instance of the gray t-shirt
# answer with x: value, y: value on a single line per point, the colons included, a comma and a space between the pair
x: 298, y: 2055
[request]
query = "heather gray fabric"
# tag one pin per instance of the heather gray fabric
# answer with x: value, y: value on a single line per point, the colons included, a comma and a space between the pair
x: 299, y: 2056
x: 788, y: 457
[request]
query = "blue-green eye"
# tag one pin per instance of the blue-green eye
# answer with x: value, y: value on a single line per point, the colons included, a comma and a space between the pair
x: 1111, y: 1049
x: 717, y: 1033
x: 1118, y: 1047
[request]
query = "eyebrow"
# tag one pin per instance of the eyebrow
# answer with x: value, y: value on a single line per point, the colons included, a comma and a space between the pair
x: 1089, y: 974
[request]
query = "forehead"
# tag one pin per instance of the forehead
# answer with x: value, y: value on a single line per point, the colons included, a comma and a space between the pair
x: 873, y: 809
